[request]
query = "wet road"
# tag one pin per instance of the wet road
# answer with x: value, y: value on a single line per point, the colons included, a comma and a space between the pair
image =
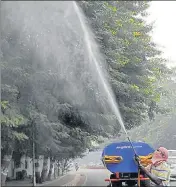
x: 95, y: 177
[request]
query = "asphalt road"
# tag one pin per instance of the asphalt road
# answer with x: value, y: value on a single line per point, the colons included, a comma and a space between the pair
x: 173, y: 183
x: 95, y: 177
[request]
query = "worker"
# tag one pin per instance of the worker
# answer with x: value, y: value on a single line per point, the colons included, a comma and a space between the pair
x: 158, y: 171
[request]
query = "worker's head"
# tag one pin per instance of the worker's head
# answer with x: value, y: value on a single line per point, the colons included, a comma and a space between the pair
x: 161, y: 154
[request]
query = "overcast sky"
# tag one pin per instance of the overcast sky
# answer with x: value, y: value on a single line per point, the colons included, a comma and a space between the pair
x: 164, y: 34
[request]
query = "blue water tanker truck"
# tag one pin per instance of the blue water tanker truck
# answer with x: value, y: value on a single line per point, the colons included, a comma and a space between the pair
x: 118, y: 158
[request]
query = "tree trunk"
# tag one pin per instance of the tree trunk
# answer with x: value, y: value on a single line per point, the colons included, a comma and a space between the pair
x: 64, y: 165
x: 55, y: 170
x: 44, y: 170
x: 59, y: 167
x: 50, y: 170
x: 4, y: 168
x: 37, y: 172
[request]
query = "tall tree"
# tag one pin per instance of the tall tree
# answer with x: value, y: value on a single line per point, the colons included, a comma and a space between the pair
x: 132, y: 57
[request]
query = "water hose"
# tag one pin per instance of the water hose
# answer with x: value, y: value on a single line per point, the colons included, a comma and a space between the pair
x: 131, y: 145
x: 135, y: 154
x: 139, y: 181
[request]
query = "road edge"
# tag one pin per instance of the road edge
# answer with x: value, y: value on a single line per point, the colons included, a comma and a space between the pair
x: 49, y: 182
x: 84, y: 180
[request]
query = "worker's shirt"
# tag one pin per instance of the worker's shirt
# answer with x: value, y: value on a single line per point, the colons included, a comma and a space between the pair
x: 161, y: 171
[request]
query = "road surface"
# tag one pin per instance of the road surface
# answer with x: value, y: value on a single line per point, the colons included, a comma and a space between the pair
x: 95, y: 177
x: 85, y: 177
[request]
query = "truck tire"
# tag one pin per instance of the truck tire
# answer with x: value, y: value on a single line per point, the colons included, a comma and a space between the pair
x: 115, y: 183
x: 131, y: 183
x: 145, y: 183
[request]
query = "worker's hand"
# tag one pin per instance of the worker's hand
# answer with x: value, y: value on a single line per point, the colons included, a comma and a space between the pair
x: 137, y: 159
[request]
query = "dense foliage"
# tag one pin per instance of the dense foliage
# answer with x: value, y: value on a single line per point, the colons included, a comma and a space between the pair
x: 134, y: 66
x: 161, y: 131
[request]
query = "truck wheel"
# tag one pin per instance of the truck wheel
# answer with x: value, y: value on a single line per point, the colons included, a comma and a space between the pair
x: 131, y: 183
x: 116, y: 183
x: 145, y: 183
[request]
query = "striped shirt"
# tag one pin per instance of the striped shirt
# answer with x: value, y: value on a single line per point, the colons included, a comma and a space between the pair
x: 162, y: 171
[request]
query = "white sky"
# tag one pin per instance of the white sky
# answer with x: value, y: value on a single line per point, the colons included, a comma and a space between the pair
x: 164, y: 33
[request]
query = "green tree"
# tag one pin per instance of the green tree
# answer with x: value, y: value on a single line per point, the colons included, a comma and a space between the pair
x: 11, y: 121
x: 131, y: 56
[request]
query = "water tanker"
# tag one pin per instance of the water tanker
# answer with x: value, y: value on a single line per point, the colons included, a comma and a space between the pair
x: 118, y: 158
